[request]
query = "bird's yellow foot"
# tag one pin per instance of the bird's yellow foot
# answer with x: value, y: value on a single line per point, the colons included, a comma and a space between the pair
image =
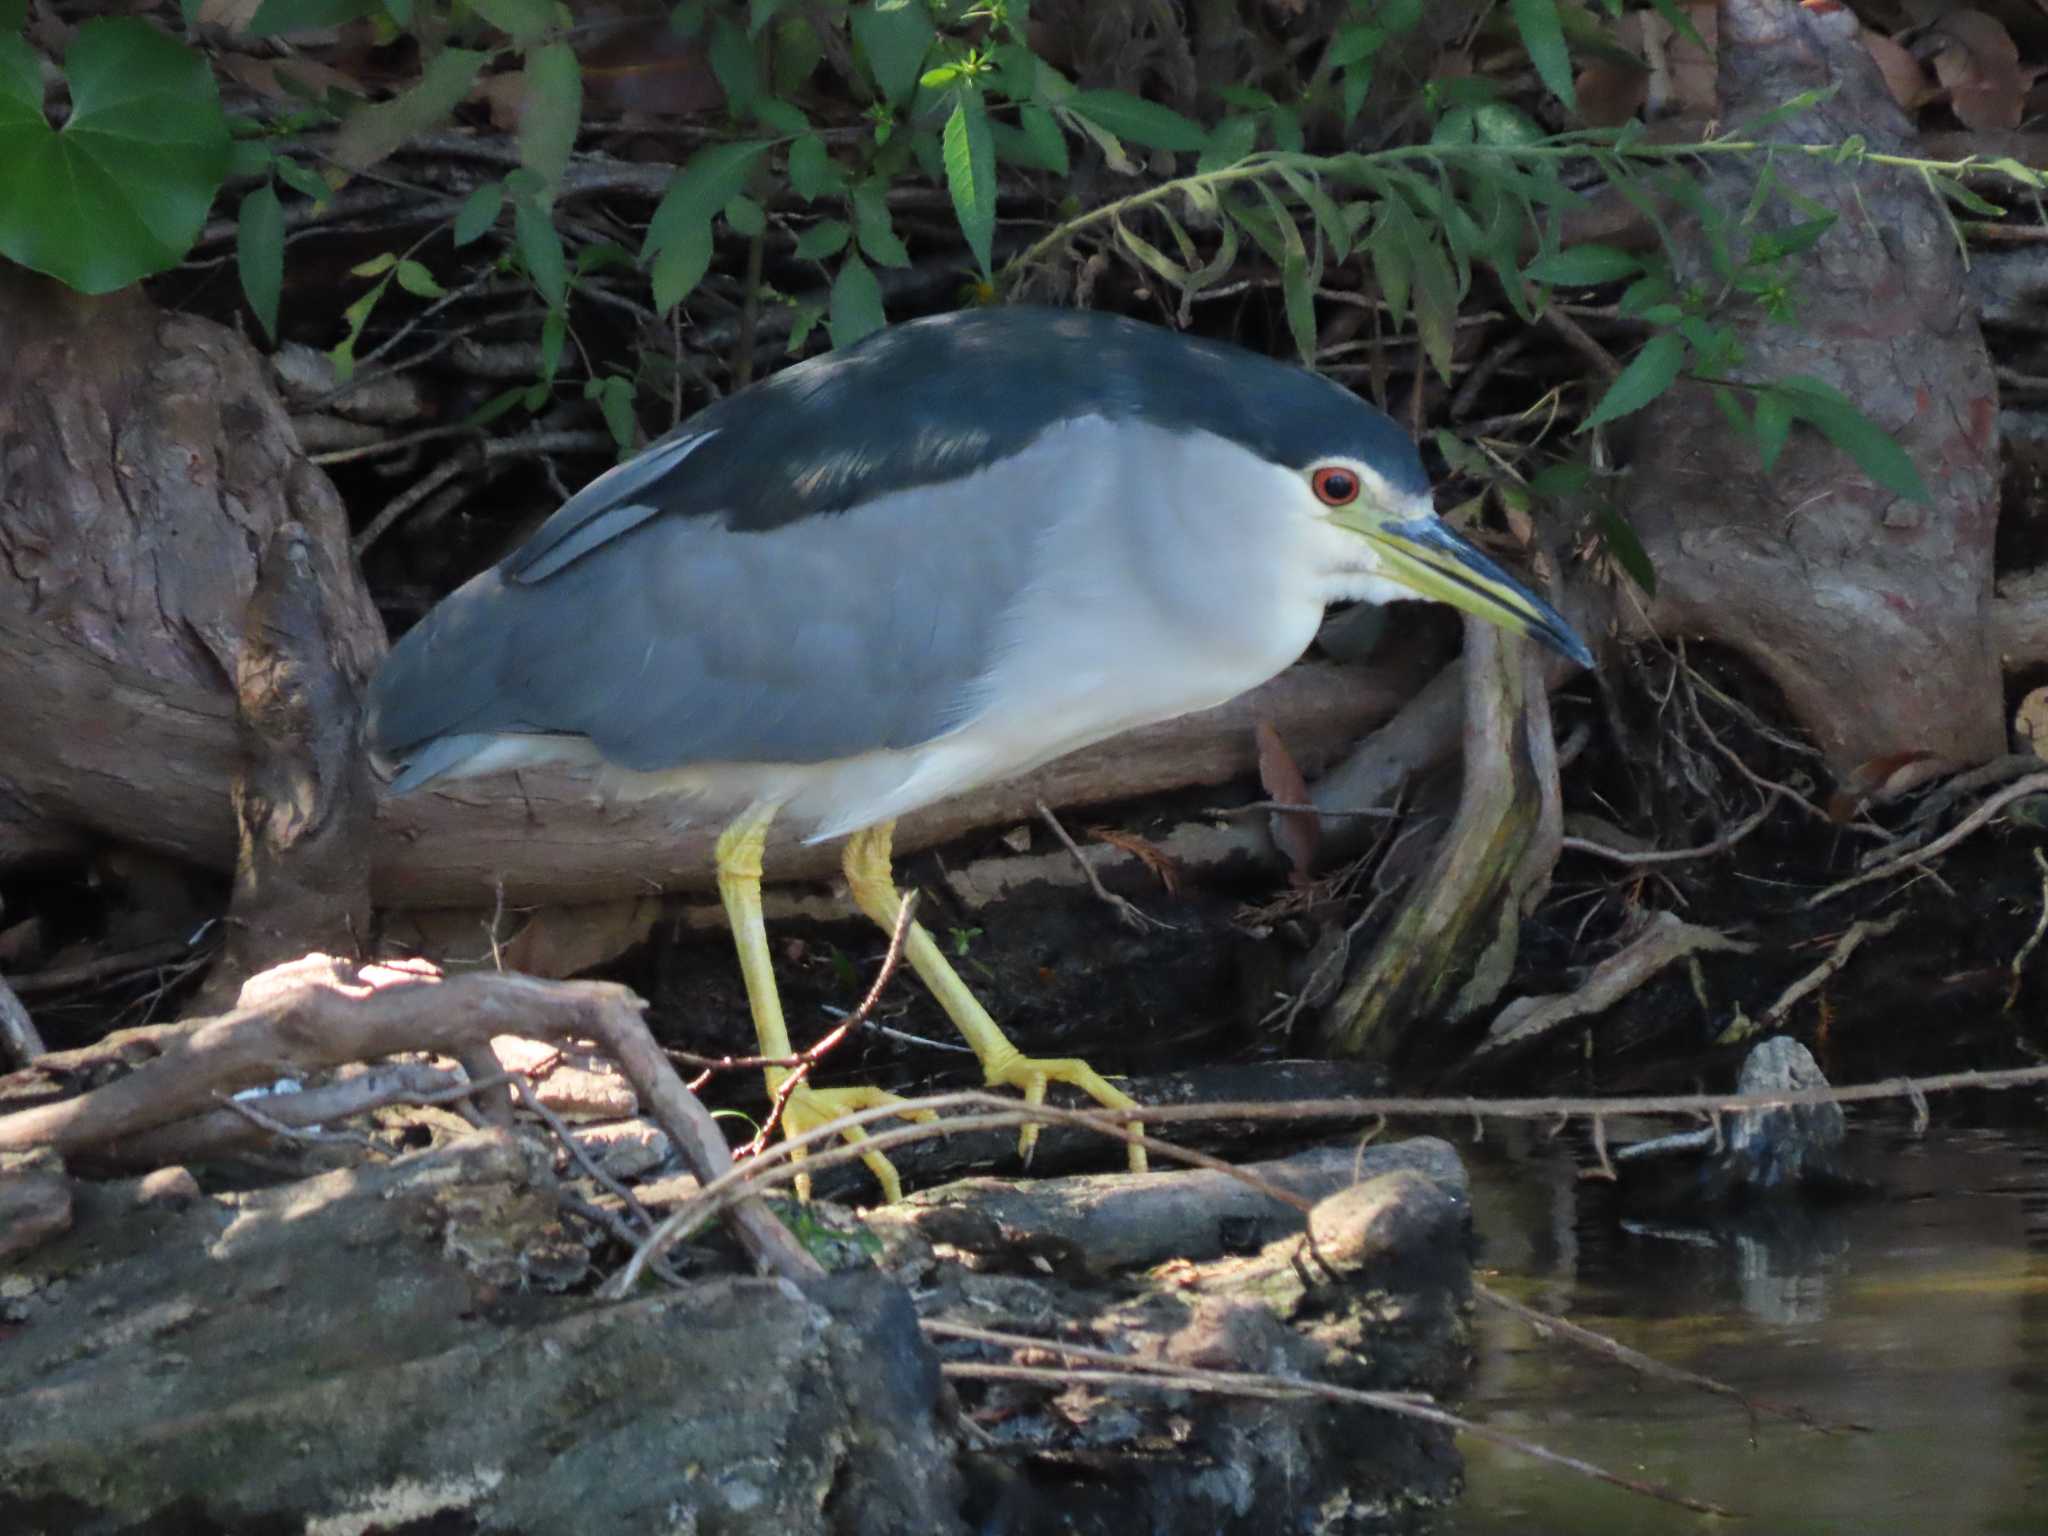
x: 809, y: 1108
x: 1031, y: 1075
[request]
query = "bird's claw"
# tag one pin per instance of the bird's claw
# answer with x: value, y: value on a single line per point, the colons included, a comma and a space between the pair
x: 810, y: 1108
x: 1032, y: 1075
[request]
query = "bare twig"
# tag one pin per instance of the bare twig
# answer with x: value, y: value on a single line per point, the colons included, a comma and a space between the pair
x: 1127, y: 912
x: 311, y: 1135
x: 1664, y: 939
x: 114, y: 967
x: 1720, y: 844
x: 1581, y: 341
x: 579, y: 1153
x: 1838, y: 957
x: 1127, y: 1374
x: 801, y: 1156
x: 320, y: 1012
x: 2032, y: 784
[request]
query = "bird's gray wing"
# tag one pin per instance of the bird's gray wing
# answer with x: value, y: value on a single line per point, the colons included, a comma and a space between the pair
x: 670, y: 640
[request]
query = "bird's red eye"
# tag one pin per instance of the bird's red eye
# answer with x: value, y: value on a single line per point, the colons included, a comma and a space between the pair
x: 1335, y: 485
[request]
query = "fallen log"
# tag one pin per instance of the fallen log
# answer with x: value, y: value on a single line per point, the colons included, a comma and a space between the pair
x: 122, y: 755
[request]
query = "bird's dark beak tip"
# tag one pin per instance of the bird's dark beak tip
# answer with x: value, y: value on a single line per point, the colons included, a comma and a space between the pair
x: 1566, y: 642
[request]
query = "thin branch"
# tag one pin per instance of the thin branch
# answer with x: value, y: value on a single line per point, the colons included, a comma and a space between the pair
x: 1127, y: 911
x: 1721, y: 844
x: 2032, y: 784
x: 1134, y: 1375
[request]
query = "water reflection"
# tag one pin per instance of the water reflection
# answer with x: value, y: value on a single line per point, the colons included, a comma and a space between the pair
x: 1923, y: 1314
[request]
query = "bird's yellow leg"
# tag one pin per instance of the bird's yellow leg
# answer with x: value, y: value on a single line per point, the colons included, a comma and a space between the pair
x: 866, y: 863
x: 739, y: 886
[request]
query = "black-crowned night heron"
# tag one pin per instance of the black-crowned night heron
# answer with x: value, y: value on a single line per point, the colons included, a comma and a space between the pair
x: 943, y: 556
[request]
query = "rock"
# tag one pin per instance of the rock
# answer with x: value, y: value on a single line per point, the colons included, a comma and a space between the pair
x: 1782, y: 1151
x: 1384, y: 1307
x: 35, y: 1200
x: 371, y: 1350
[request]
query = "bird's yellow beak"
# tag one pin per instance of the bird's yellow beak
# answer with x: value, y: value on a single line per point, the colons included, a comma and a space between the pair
x: 1423, y: 554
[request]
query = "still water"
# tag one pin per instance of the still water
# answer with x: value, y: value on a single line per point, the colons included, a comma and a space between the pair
x: 1922, y: 1314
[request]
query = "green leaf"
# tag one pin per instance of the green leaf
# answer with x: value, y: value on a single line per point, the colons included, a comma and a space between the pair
x: 1434, y: 289
x: 1353, y: 45
x: 827, y: 237
x: 1619, y: 535
x: 1328, y: 220
x: 737, y: 64
x: 554, y: 333
x: 856, y: 309
x: 714, y: 176
x: 681, y: 266
x: 1543, y: 36
x: 122, y: 190
x: 1773, y: 426
x: 1043, y: 130
x: 275, y: 16
x: 479, y: 212
x: 1648, y: 374
x: 1221, y: 264
x: 259, y: 254
x: 1495, y: 122
x: 744, y: 217
x: 248, y: 159
x: 416, y: 280
x: 540, y: 247
x: 1584, y: 266
x: 1390, y: 263
x: 376, y: 266
x: 894, y: 39
x: 783, y: 117
x: 760, y: 13
x: 802, y: 323
x: 1963, y: 197
x: 523, y: 20
x: 1297, y: 290
x: 302, y: 179
x: 1151, y: 255
x: 1246, y: 98
x: 1357, y: 86
x: 1558, y: 480
x: 1142, y: 122
x: 552, y: 113
x: 371, y: 133
x: 874, y: 228
x: 1297, y: 282
x: 970, y: 154
x: 1111, y: 146
x: 614, y: 396
x: 1876, y: 452
x: 1778, y: 244
x: 495, y: 407
x: 1234, y: 138
x: 2005, y: 165
x: 812, y: 174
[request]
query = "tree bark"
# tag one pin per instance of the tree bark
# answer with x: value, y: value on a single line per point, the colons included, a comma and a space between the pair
x: 1871, y: 612
x: 145, y: 464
